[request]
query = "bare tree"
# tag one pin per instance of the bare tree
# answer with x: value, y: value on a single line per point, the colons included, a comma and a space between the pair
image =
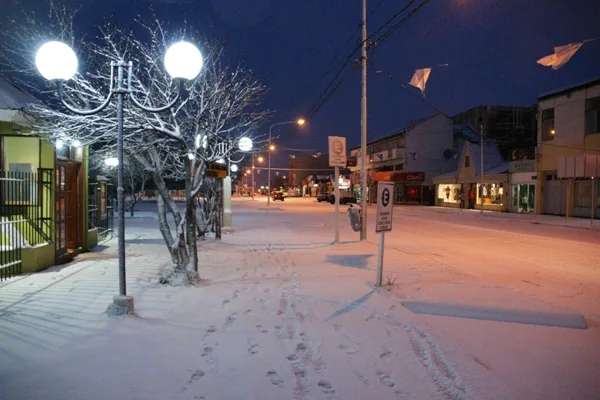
x: 136, y: 177
x: 216, y: 109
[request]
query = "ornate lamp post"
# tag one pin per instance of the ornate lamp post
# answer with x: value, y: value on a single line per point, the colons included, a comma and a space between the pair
x: 57, y: 62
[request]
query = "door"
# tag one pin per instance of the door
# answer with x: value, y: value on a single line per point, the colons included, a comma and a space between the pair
x: 555, y: 195
x: 72, y: 206
x: 60, y: 209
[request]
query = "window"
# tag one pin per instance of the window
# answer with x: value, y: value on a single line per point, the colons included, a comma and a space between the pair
x: 467, y: 161
x: 583, y: 194
x: 592, y: 115
x: 548, y: 124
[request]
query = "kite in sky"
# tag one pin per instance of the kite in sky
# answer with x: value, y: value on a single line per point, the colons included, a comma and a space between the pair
x: 419, y: 79
x: 561, y: 56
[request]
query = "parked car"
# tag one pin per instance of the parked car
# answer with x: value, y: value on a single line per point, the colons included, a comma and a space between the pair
x: 278, y: 196
x: 323, y: 197
x: 345, y: 198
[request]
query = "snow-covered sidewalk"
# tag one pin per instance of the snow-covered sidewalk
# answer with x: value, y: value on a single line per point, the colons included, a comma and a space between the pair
x: 284, y: 314
x: 538, y: 219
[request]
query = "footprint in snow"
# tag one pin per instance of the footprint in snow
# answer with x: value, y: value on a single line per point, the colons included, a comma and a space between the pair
x: 326, y: 387
x: 385, y: 379
x: 230, y: 320
x: 196, y: 375
x: 253, y: 349
x: 224, y: 302
x: 275, y: 379
x: 211, y: 329
x: 337, y: 327
x: 248, y: 311
x: 348, y: 350
x: 261, y: 329
x: 386, y: 354
x: 207, y: 351
x: 235, y: 294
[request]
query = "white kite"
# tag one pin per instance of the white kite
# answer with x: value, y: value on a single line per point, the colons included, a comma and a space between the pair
x: 561, y: 55
x: 419, y: 79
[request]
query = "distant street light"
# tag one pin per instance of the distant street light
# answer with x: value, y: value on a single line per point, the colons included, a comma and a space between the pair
x: 56, y: 61
x: 299, y: 122
x: 245, y: 144
x: 234, y: 168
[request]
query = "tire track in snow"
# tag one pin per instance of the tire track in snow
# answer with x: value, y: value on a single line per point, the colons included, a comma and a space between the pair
x: 445, y: 377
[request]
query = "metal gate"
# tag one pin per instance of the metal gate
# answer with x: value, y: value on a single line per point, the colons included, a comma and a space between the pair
x: 555, y: 195
x: 25, y: 216
x: 100, y: 209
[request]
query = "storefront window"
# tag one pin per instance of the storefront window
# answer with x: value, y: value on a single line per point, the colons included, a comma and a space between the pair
x: 448, y: 193
x: 523, y: 198
x: 492, y: 193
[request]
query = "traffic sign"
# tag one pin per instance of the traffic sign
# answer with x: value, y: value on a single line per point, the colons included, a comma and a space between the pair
x: 385, y: 203
x: 337, y: 151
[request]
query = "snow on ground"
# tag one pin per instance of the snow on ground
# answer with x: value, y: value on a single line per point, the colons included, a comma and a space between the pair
x: 477, y: 308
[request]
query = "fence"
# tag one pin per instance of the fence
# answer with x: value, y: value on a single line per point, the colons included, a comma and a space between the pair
x: 25, y: 216
x: 100, y: 209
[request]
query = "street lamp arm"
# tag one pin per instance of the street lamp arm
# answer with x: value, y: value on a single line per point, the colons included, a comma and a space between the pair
x: 85, y: 112
x: 149, y: 109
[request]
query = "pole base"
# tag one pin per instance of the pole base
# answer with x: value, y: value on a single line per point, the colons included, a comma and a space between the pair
x: 123, y: 303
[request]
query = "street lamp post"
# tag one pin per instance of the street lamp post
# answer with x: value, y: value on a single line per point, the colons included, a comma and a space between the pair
x: 299, y: 122
x: 57, y: 62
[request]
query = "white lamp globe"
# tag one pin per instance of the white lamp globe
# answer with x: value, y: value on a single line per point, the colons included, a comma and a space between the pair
x: 112, y: 161
x: 59, y: 144
x: 183, y: 60
x: 77, y: 143
x: 234, y: 168
x: 56, y: 60
x: 245, y: 144
x: 191, y: 156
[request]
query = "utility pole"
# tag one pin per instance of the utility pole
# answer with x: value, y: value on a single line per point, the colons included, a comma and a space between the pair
x: 481, y: 149
x: 363, y: 122
x: 253, y: 155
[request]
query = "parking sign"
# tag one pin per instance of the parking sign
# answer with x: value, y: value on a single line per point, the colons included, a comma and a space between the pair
x: 385, y: 202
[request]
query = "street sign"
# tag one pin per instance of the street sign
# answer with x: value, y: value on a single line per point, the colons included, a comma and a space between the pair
x: 337, y: 151
x: 385, y: 203
x: 351, y: 161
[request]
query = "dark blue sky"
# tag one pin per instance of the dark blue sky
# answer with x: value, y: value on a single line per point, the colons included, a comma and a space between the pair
x: 491, y: 48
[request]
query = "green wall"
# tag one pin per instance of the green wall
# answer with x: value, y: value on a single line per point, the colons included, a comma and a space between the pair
x: 35, y: 259
x: 21, y: 150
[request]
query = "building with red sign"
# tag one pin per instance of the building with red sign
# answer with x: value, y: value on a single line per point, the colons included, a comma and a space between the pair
x: 410, y: 158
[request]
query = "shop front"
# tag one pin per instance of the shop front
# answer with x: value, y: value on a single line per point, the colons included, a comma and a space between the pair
x: 522, y: 192
x: 409, y: 187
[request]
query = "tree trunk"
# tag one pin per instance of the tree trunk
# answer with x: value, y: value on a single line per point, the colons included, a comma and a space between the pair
x: 163, y: 226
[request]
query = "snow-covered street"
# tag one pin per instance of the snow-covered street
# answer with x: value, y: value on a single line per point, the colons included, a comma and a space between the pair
x: 473, y: 307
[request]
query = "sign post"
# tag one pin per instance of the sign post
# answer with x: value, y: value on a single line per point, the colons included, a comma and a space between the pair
x: 337, y: 159
x: 383, y: 222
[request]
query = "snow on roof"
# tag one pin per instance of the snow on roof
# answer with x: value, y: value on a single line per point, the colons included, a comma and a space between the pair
x: 466, y: 131
x: 13, y: 98
x: 570, y: 88
x: 491, y: 156
x: 501, y: 168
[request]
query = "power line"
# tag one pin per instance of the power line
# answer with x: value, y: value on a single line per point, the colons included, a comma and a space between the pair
x: 330, y: 67
x: 325, y: 96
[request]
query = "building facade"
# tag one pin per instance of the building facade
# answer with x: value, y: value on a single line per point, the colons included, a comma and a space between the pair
x: 410, y: 158
x: 303, y: 166
x: 43, y: 193
x: 462, y: 187
x: 568, y: 161
x: 509, y: 126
